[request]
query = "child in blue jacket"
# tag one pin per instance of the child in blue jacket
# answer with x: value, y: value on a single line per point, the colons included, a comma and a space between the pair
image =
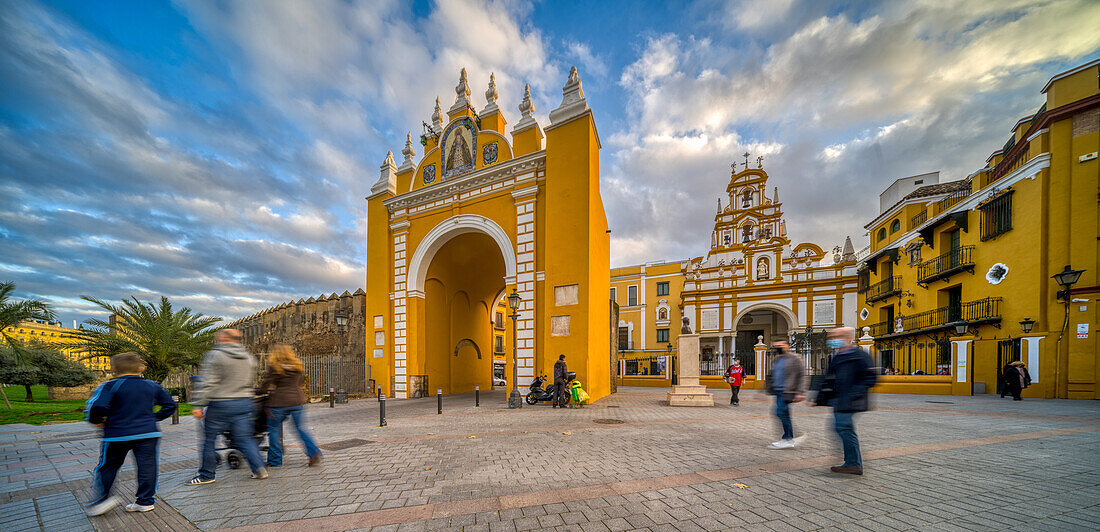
x: 123, y: 408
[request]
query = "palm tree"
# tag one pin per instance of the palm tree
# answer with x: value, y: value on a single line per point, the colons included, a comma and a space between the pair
x: 14, y: 313
x: 166, y: 339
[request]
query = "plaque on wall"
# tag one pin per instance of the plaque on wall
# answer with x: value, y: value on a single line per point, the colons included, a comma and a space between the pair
x: 824, y: 312
x: 708, y: 319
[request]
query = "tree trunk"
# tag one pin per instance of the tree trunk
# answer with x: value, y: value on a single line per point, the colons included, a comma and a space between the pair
x: 30, y: 394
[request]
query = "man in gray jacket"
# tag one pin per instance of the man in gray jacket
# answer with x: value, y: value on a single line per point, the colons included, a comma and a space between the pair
x: 787, y: 383
x: 226, y: 390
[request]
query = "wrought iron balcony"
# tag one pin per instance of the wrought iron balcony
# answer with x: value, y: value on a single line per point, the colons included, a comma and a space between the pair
x: 919, y: 219
x: 946, y: 265
x: 882, y: 290
x: 950, y: 201
x: 977, y: 312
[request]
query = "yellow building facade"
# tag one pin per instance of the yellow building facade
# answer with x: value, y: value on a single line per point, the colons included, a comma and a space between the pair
x: 752, y: 287
x: 486, y: 211
x: 982, y: 253
x: 57, y: 336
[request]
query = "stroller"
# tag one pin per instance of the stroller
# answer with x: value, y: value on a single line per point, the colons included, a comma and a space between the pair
x: 230, y: 452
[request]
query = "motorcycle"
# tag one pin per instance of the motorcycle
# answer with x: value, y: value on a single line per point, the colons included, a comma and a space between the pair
x: 538, y: 393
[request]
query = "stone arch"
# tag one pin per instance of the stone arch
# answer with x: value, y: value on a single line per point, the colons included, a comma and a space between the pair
x: 450, y: 228
x: 787, y: 313
x: 467, y: 342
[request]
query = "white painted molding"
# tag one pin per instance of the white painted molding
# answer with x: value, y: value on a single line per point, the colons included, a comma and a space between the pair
x: 450, y: 228
x: 472, y: 181
x: 416, y: 293
x: 399, y: 225
x: 525, y: 192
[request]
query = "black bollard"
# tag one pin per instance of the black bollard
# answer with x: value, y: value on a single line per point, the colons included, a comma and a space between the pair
x: 477, y: 395
x: 176, y: 414
x: 439, y: 400
x: 332, y: 398
x: 379, y: 394
x: 381, y: 410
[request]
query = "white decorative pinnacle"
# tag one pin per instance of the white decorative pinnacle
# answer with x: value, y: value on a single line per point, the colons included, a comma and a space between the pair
x: 526, y: 121
x: 409, y: 153
x: 387, y: 179
x: 775, y: 198
x: 437, y: 117
x: 573, y: 103
x: 462, y: 92
x: 491, y: 95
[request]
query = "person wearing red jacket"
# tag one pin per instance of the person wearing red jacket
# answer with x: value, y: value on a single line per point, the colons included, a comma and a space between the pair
x: 735, y: 375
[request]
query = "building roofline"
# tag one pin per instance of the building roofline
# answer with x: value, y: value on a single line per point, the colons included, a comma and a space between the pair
x: 1070, y: 72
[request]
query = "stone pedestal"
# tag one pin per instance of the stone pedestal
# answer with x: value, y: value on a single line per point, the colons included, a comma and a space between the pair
x: 689, y: 392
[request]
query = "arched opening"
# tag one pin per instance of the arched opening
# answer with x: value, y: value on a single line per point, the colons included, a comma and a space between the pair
x: 771, y: 322
x: 464, y: 280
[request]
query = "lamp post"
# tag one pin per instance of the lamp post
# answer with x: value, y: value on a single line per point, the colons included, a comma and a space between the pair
x: 341, y: 317
x: 1026, y: 325
x: 514, y: 398
x: 960, y: 327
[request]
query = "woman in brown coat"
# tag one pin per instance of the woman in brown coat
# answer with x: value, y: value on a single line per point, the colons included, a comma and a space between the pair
x: 284, y: 376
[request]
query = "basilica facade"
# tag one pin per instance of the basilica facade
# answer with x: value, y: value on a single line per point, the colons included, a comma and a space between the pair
x: 753, y: 286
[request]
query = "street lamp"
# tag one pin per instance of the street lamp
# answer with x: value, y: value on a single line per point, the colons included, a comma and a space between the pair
x: 514, y: 398
x: 960, y: 327
x: 1066, y: 278
x: 341, y: 317
x: 1026, y: 325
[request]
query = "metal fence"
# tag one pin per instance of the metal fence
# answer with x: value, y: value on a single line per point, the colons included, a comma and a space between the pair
x: 644, y: 365
x: 718, y: 363
x: 915, y: 356
x: 349, y: 373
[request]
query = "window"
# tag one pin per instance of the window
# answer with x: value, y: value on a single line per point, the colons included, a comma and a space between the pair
x: 996, y: 217
x: 613, y: 298
x: 662, y: 289
x: 624, y: 338
x: 631, y: 295
x: 500, y: 320
x: 498, y: 345
x: 881, y: 234
x: 662, y: 335
x: 895, y: 226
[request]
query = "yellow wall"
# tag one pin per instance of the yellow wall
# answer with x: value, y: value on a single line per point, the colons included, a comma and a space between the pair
x: 58, y: 337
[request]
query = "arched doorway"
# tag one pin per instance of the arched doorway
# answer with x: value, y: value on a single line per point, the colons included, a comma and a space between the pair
x: 771, y: 322
x: 463, y: 282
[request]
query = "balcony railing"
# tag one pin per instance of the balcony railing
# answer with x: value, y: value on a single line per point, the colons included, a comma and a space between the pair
x: 946, y: 265
x: 919, y: 219
x: 976, y: 312
x: 946, y: 203
x: 882, y: 290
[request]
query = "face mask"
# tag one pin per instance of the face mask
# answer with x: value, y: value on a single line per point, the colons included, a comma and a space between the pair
x: 835, y: 343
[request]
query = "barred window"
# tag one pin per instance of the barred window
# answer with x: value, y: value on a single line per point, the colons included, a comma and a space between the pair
x: 996, y: 216
x: 662, y: 335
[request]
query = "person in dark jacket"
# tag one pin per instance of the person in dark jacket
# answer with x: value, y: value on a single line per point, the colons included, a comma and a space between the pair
x: 123, y: 408
x: 1016, y: 378
x: 787, y: 383
x: 284, y: 377
x: 846, y: 387
x: 560, y: 377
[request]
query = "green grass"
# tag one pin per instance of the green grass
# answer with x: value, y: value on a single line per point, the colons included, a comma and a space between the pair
x: 44, y: 411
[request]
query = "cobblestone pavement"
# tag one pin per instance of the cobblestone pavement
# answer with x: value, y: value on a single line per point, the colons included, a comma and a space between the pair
x: 625, y: 463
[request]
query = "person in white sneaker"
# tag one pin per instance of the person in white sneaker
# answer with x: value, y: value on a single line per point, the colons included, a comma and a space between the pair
x: 787, y: 383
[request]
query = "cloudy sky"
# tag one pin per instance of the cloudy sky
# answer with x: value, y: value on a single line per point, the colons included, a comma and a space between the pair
x: 219, y: 152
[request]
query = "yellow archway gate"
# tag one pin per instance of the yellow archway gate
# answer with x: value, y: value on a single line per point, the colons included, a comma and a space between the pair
x: 483, y: 213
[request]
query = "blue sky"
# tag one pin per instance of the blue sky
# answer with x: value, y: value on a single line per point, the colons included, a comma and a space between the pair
x: 219, y: 152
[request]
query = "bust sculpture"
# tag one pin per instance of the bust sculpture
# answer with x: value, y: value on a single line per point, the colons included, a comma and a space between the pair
x: 686, y: 329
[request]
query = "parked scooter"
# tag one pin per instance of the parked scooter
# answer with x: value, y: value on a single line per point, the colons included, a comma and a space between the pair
x: 538, y: 393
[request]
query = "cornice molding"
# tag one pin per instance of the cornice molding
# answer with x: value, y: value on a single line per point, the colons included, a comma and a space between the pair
x: 472, y: 181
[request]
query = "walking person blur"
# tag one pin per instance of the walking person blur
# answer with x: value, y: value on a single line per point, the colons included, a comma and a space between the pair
x: 1016, y: 378
x: 228, y: 375
x: 787, y: 383
x: 284, y: 378
x: 734, y: 377
x: 560, y: 378
x: 846, y: 387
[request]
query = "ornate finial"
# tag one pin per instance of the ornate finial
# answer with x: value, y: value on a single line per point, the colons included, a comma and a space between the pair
x: 775, y: 197
x: 526, y: 107
x: 437, y: 117
x: 408, y: 152
x: 491, y: 94
x: 389, y: 160
x: 462, y: 94
x: 746, y: 160
x: 760, y: 162
x: 573, y: 103
x: 719, y: 205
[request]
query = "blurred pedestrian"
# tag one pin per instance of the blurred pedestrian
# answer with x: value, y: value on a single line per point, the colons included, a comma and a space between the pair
x: 123, y: 408
x: 1016, y: 378
x: 846, y: 387
x: 787, y: 383
x: 284, y: 377
x: 228, y: 376
x: 734, y: 377
x: 561, y: 376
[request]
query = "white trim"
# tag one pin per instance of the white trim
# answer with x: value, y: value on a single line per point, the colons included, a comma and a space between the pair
x: 962, y: 349
x: 473, y: 180
x: 1070, y: 72
x: 1037, y: 133
x: 450, y: 228
x: 399, y: 225
x: 524, y: 192
x: 1032, y: 353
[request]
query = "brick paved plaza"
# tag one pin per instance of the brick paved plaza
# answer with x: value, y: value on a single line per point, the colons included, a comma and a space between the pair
x: 944, y: 463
